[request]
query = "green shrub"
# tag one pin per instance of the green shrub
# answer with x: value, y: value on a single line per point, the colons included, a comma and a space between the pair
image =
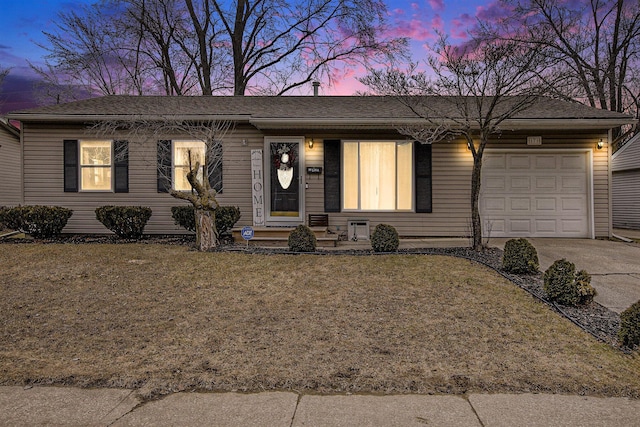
x: 563, y: 285
x: 184, y: 217
x: 520, y: 257
x: 586, y: 292
x: 385, y: 238
x: 38, y: 221
x: 3, y: 211
x: 226, y: 217
x: 127, y: 222
x: 302, y: 239
x: 629, y: 333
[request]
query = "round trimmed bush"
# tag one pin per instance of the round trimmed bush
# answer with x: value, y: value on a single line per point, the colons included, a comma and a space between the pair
x: 520, y: 257
x: 385, y: 238
x: 629, y: 334
x: 563, y: 285
x: 37, y: 220
x: 302, y: 239
x: 127, y: 222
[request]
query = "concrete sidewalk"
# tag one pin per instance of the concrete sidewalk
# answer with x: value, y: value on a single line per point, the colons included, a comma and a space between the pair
x: 112, y: 407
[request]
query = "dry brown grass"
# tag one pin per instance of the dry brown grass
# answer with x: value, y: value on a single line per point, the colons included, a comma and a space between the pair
x: 164, y: 318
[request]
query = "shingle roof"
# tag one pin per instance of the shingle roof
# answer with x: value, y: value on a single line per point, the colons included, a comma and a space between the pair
x: 307, y: 109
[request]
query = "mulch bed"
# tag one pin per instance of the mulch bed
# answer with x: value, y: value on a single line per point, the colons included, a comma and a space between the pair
x: 593, y: 318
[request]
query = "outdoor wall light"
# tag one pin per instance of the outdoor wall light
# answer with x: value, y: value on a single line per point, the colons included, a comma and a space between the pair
x: 311, y: 143
x: 600, y: 144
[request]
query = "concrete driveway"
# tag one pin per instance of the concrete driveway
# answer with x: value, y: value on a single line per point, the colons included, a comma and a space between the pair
x: 614, y: 266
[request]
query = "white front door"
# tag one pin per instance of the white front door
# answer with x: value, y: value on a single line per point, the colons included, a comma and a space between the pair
x: 536, y: 194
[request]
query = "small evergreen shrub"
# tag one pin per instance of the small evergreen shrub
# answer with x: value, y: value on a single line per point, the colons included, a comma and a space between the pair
x: 38, y: 221
x: 520, y: 257
x: 385, y: 238
x: 127, y: 222
x: 629, y: 334
x: 226, y: 217
x: 184, y: 217
x: 586, y: 292
x: 563, y: 285
x: 3, y: 211
x: 302, y: 239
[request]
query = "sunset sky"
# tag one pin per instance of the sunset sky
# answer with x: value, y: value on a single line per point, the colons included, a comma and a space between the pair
x: 22, y: 24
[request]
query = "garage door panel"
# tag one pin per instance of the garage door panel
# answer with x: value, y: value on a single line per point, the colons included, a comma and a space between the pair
x: 545, y: 183
x: 573, y: 161
x: 546, y: 204
x: 571, y: 225
x: 536, y: 195
x: 546, y: 226
x: 520, y: 226
x: 494, y: 204
x: 518, y: 162
x: 546, y: 162
x: 495, y: 183
x: 520, y: 205
x: 495, y: 161
x: 572, y: 183
x: 571, y: 205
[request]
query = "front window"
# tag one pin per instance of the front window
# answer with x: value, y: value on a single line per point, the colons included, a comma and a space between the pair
x: 185, y: 156
x: 378, y: 176
x: 95, y: 165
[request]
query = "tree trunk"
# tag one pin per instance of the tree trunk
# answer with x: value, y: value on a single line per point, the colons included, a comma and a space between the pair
x: 206, y: 236
x: 476, y: 179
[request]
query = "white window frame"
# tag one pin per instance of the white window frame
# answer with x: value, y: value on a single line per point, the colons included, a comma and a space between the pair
x: 343, y: 179
x: 175, y: 166
x: 82, y: 166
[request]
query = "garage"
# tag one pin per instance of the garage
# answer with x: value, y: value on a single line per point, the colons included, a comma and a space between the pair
x: 536, y: 194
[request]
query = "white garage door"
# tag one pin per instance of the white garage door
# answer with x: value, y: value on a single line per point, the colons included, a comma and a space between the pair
x: 535, y: 194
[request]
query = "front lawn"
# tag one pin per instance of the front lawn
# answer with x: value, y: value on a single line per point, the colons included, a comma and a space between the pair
x: 163, y: 318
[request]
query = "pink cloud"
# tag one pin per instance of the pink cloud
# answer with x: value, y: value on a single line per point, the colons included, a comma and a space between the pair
x: 415, y: 6
x: 437, y: 5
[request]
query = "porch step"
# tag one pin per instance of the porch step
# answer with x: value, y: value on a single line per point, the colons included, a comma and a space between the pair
x: 279, y: 236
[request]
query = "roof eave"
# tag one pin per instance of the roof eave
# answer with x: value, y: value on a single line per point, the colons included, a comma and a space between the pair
x: 82, y: 118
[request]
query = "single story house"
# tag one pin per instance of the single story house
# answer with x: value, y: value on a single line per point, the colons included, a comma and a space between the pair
x: 10, y: 168
x: 547, y: 174
x: 625, y: 168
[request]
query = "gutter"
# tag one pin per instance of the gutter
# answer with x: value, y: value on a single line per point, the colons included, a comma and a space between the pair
x: 44, y: 117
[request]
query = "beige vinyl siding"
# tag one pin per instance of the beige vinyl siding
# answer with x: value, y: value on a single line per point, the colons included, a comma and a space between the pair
x: 451, y: 175
x: 10, y: 168
x: 43, y: 160
x: 452, y: 164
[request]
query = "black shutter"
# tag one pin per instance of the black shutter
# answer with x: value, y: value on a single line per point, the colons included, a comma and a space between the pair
x: 121, y: 166
x: 423, y: 177
x: 214, y: 167
x: 332, y: 175
x: 71, y: 166
x: 164, y: 166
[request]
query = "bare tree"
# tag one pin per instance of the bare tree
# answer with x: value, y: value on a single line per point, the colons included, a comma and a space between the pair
x: 595, y: 43
x: 188, y: 47
x: 280, y: 45
x: 469, y: 92
x: 202, y: 196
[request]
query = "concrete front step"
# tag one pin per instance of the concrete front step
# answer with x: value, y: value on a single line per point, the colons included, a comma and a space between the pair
x: 278, y: 236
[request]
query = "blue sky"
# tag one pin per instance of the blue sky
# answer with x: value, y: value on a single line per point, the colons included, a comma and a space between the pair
x: 22, y: 24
